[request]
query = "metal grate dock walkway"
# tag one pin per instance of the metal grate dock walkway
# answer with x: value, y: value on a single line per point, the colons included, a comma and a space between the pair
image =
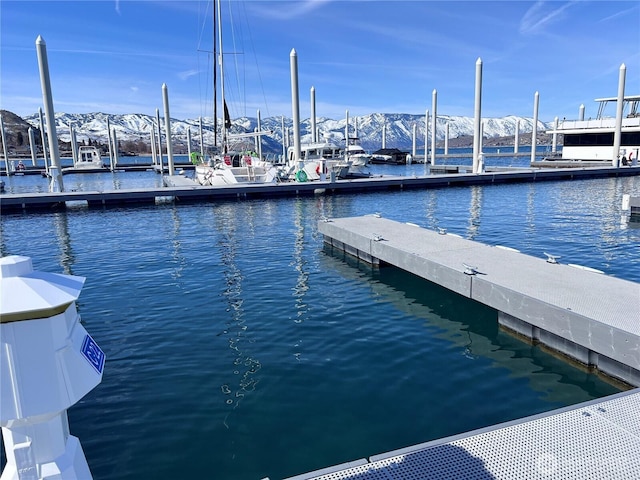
x: 599, y: 439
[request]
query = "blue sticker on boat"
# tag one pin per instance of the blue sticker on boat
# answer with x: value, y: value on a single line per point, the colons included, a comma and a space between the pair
x: 93, y: 353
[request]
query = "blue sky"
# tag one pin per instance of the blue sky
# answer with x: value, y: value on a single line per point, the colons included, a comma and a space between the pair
x: 362, y: 56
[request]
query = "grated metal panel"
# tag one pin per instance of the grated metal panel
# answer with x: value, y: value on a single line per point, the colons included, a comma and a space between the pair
x: 598, y: 440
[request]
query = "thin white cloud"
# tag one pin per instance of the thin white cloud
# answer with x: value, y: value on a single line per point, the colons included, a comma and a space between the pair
x: 187, y: 74
x: 118, y: 7
x: 292, y: 10
x: 623, y: 14
x: 540, y: 16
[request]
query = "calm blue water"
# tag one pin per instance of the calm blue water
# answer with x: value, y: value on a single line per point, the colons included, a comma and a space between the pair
x: 239, y: 347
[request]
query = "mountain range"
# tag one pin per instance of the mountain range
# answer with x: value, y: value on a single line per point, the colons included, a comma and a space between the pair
x: 399, y: 129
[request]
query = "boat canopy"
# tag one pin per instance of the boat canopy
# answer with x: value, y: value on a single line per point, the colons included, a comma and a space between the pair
x: 631, y: 100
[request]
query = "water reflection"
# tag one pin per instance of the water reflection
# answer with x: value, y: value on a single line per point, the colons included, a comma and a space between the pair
x: 179, y: 260
x: 61, y: 226
x: 475, y: 211
x: 472, y: 329
x: 298, y: 262
x: 430, y: 209
x: 226, y: 218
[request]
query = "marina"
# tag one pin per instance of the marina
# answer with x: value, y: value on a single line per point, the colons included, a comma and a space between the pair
x: 182, y: 189
x: 349, y: 360
x: 469, y: 313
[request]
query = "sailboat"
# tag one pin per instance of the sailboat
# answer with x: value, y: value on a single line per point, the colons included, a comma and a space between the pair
x: 232, y: 167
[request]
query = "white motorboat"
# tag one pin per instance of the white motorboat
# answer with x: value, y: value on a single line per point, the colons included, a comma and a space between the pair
x: 356, y: 154
x: 593, y: 139
x: 88, y: 160
x: 317, y: 161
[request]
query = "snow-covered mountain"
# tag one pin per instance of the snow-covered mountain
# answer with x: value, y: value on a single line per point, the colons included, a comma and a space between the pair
x: 399, y: 128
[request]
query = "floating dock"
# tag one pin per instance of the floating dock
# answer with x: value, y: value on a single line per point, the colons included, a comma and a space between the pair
x: 577, y: 310
x: 124, y: 167
x: 179, y: 190
x: 581, y: 312
x: 597, y: 439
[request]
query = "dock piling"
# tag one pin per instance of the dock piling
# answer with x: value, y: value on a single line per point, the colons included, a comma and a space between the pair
x: 43, y: 64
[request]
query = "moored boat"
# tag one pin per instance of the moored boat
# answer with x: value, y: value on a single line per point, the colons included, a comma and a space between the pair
x: 232, y: 167
x: 355, y: 153
x: 593, y: 139
x: 317, y: 160
x: 235, y: 167
x: 88, y: 160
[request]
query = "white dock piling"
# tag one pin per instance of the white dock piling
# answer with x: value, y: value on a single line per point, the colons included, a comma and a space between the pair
x: 49, y: 362
x: 114, y: 137
x: 534, y: 129
x: 554, y: 137
x: 167, y: 126
x: 314, y: 138
x: 74, y: 145
x: 295, y: 104
x: 384, y: 135
x: 110, y: 143
x: 159, y: 131
x: 4, y: 146
x: 617, y: 134
x: 189, y: 142
x: 346, y: 131
x: 477, y: 111
x: 32, y: 146
x: 426, y: 135
x: 516, y: 140
x: 152, y: 140
x: 446, y: 139
x: 414, y: 146
x: 284, y: 140
x: 44, y: 141
x: 259, y: 137
x: 201, y: 137
x: 434, y: 106
x: 47, y: 98
x: 581, y: 113
x: 481, y: 146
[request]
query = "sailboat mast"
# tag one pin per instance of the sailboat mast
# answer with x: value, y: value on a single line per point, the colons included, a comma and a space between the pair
x: 215, y: 82
x: 224, y: 126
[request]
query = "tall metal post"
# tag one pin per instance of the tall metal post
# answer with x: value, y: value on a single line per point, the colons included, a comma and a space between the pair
x: 32, y: 146
x: 167, y: 127
x: 534, y: 130
x: 44, y: 142
x: 295, y: 105
x: 110, y: 142
x: 426, y: 136
x: 314, y: 138
x: 617, y: 134
x: 4, y: 146
x: 434, y: 106
x: 47, y: 98
x: 477, y: 112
